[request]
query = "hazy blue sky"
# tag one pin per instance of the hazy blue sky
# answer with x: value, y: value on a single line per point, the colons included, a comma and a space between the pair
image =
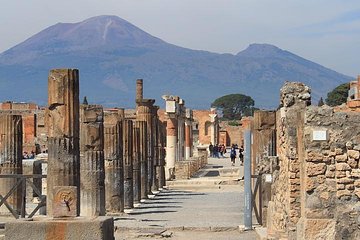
x: 324, y: 31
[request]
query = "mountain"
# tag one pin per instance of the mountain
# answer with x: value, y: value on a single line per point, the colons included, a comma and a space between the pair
x: 111, y: 54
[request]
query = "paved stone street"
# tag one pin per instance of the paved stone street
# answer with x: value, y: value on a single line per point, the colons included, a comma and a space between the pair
x: 208, y: 206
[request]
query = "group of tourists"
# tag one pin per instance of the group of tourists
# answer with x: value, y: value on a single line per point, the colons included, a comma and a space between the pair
x: 27, y: 155
x: 233, y: 154
x: 217, y: 150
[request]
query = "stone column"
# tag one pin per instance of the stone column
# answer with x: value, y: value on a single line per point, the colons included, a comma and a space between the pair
x: 62, y: 120
x: 114, y: 172
x: 128, y: 164
x: 213, y: 119
x: 156, y: 162
x: 92, y: 173
x: 136, y: 162
x: 143, y: 158
x: 139, y: 89
x: 162, y: 154
x: 188, y: 142
x: 11, y: 159
x: 171, y: 142
x: 144, y: 113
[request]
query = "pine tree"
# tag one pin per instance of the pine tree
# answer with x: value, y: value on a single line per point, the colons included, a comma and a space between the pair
x: 321, y: 102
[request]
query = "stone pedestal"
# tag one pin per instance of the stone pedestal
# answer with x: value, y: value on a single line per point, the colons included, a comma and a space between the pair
x: 45, y: 228
x: 62, y: 121
x: 114, y: 171
x: 10, y: 159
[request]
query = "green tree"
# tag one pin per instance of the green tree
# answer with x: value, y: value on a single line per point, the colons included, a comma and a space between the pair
x: 338, y: 95
x: 234, y: 106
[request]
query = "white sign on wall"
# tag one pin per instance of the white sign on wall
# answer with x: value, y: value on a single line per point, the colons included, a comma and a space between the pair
x: 319, y: 135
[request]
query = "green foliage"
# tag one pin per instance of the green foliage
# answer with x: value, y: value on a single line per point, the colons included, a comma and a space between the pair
x: 234, y: 106
x: 321, y: 102
x: 338, y: 95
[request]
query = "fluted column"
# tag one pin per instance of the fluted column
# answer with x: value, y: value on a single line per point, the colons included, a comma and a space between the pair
x: 143, y: 158
x: 92, y: 173
x: 162, y: 154
x: 156, y: 159
x: 62, y: 120
x: 10, y: 159
x: 136, y: 162
x: 144, y: 113
x: 128, y: 164
x: 113, y: 151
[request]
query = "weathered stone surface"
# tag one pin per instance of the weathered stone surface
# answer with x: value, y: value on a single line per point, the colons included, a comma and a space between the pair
x: 62, y: 120
x: 310, y: 184
x: 11, y: 144
x: 99, y: 228
x: 92, y: 173
x: 340, y: 174
x: 353, y: 154
x: 65, y: 201
x: 314, y: 169
x: 355, y: 173
x: 353, y: 163
x: 113, y: 154
x: 341, y: 158
x: 315, y: 229
x: 342, y: 167
x: 345, y: 180
x: 343, y: 193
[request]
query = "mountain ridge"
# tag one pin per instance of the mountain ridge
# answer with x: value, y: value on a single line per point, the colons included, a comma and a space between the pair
x: 112, y: 53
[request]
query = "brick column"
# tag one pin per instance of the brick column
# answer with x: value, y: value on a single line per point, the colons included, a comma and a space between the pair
x: 11, y: 159
x: 113, y: 154
x: 143, y: 158
x: 156, y: 162
x: 92, y: 173
x: 62, y: 119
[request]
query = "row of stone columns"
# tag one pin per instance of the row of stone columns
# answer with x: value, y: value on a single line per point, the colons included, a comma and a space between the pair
x: 112, y: 161
x: 98, y: 161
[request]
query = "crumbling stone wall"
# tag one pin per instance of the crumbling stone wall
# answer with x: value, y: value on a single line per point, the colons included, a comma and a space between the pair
x: 316, y: 187
x: 331, y: 176
x: 284, y: 207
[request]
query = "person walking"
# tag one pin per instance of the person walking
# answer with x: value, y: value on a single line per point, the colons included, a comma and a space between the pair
x: 211, y: 150
x: 233, y: 155
x: 241, y: 155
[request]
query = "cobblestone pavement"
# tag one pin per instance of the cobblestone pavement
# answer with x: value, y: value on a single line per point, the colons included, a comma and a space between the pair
x: 209, y: 206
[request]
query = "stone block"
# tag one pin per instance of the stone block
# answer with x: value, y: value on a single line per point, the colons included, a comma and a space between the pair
x: 314, y: 169
x: 310, y: 184
x: 342, y: 166
x: 44, y: 228
x: 357, y: 193
x: 345, y: 180
x: 330, y: 174
x: 341, y: 158
x: 353, y: 154
x: 314, y: 229
x: 338, y: 151
x: 357, y: 183
x: 340, y: 186
x: 355, y: 173
x: 343, y: 193
x: 353, y: 163
x: 340, y: 174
